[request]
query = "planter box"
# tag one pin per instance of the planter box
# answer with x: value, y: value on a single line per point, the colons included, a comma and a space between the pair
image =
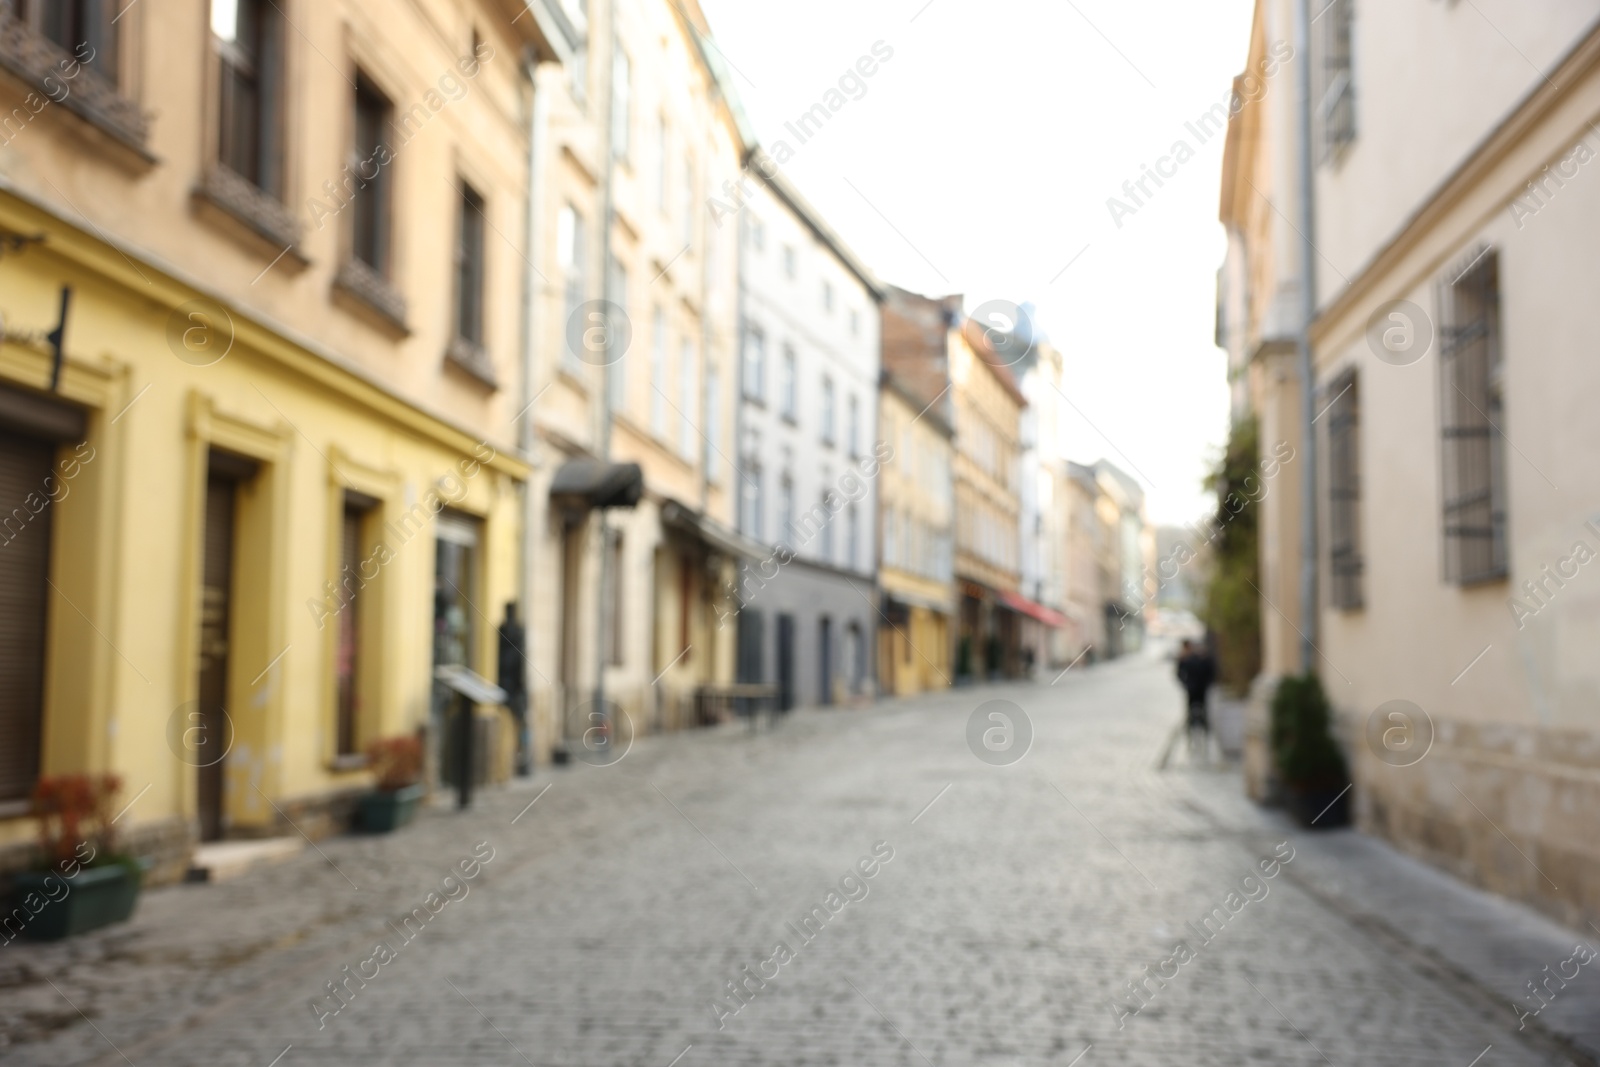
x: 381, y: 813
x: 1306, y: 805
x: 96, y: 897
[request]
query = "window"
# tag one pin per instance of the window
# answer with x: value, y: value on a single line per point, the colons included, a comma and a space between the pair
x: 829, y: 415
x: 891, y: 557
x: 713, y: 422
x: 469, y: 267
x: 686, y: 380
x: 755, y: 363
x: 790, y: 266
x: 757, y: 232
x: 370, y: 229
x: 789, y: 385
x: 1337, y: 111
x: 86, y: 28
x: 1344, y: 492
x: 617, y: 372
x: 853, y: 426
x: 826, y: 548
x: 686, y: 193
x: 750, y: 498
x: 852, y: 529
x: 570, y: 258
x: 621, y: 103
x: 827, y: 296
x: 855, y: 322
x: 660, y: 177
x: 658, y: 376
x: 785, y: 530
x: 1473, y: 409
x: 615, y: 610
x: 249, y: 45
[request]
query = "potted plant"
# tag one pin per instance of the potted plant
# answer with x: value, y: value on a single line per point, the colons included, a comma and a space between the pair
x: 87, y: 883
x: 1316, y: 778
x: 397, y: 762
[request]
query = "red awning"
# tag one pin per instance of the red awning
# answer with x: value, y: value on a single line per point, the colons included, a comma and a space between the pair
x: 1021, y: 604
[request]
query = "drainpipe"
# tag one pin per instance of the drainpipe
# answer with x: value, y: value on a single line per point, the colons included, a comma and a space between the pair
x: 603, y: 437
x: 538, y: 124
x: 1308, y: 313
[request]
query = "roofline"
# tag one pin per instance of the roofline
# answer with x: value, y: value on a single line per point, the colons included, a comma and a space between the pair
x: 763, y: 166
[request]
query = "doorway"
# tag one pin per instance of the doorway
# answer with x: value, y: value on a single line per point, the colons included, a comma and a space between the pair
x: 25, y: 465
x: 454, y: 632
x: 825, y: 660
x: 211, y: 735
x: 785, y: 662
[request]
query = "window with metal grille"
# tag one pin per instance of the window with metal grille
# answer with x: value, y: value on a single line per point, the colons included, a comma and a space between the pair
x: 1472, y: 417
x: 1337, y: 110
x: 1345, y: 561
x: 248, y: 40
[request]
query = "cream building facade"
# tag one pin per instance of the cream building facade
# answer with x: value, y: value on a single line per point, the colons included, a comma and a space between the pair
x: 987, y: 477
x: 916, y: 500
x: 267, y: 475
x: 636, y: 325
x: 1456, y: 500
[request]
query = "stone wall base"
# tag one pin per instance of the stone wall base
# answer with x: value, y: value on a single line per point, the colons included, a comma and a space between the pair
x: 1513, y: 809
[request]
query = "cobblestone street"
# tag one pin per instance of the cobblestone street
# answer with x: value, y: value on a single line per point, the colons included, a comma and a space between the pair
x: 981, y: 915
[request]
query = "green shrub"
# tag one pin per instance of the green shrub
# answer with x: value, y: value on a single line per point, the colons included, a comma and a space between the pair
x: 1231, y: 606
x: 1303, y: 747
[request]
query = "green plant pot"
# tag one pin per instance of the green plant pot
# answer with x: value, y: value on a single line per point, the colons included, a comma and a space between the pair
x: 382, y: 812
x: 96, y: 897
x: 1318, y: 807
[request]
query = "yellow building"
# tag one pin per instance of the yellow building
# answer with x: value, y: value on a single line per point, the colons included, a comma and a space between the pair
x: 988, y: 414
x: 266, y: 475
x: 915, y: 499
x: 636, y: 325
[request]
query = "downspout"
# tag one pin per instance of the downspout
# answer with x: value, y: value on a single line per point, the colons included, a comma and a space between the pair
x: 1308, y: 313
x: 607, y: 294
x: 537, y: 125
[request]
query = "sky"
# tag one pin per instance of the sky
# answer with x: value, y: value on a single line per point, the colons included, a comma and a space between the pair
x: 979, y: 160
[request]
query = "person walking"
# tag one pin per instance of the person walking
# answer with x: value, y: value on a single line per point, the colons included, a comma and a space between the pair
x: 1197, y: 670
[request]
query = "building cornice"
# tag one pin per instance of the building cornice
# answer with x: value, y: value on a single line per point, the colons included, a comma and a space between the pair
x: 167, y: 286
x: 1473, y: 176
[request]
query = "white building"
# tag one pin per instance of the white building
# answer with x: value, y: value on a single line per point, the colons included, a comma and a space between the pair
x: 808, y: 387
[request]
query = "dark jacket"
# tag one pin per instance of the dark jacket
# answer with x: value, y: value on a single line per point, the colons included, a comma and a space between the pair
x: 1196, y: 673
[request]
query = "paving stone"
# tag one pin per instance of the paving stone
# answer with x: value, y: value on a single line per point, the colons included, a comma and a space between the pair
x: 1019, y: 904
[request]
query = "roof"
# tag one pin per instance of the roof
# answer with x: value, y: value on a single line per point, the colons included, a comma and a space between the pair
x: 977, y: 339
x: 915, y: 355
x: 765, y: 168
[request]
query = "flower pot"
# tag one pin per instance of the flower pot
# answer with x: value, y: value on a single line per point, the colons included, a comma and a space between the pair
x: 95, y: 897
x: 1318, y: 807
x: 382, y: 812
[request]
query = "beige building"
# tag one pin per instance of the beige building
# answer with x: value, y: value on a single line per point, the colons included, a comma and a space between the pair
x: 987, y: 472
x: 635, y: 320
x: 916, y: 520
x: 1455, y: 220
x: 262, y: 286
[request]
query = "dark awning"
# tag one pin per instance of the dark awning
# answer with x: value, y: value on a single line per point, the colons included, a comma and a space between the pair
x: 598, y: 485
x: 710, y: 532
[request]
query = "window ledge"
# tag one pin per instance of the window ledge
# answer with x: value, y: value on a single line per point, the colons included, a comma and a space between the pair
x: 371, y: 292
x: 33, y: 58
x: 15, y: 809
x: 473, y: 359
x: 350, y: 761
x: 264, y: 215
